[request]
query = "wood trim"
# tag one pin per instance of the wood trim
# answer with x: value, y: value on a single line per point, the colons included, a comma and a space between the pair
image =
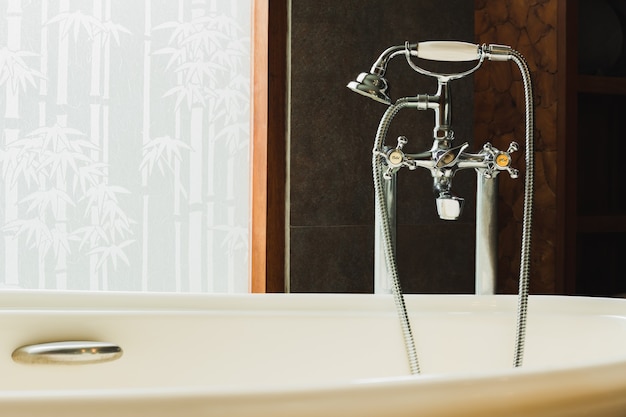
x: 567, y: 138
x: 276, y: 146
x: 268, y: 158
x: 258, y: 148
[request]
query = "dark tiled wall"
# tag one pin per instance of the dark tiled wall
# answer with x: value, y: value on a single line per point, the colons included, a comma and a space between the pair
x: 331, y: 227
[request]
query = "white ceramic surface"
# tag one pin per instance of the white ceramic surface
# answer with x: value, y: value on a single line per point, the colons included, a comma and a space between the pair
x: 314, y: 355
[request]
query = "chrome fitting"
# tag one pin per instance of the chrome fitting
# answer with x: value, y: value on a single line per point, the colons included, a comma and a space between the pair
x: 497, y: 52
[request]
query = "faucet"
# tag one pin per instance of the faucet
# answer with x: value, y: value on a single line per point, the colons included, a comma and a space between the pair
x: 443, y: 160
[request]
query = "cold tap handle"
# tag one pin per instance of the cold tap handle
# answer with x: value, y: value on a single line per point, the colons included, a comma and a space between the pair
x: 447, y: 51
x: 394, y: 158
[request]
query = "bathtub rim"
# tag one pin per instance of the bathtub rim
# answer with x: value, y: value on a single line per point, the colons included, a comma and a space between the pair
x: 38, y: 300
x: 594, y: 382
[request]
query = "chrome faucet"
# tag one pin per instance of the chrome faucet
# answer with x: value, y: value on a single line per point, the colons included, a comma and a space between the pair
x: 443, y: 160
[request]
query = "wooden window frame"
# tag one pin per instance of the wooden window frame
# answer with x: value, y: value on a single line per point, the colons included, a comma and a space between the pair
x: 268, y: 145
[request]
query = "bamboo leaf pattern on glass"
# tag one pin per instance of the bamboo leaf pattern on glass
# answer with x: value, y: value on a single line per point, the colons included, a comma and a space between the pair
x: 73, y: 22
x: 14, y: 72
x: 162, y: 151
x: 124, y: 144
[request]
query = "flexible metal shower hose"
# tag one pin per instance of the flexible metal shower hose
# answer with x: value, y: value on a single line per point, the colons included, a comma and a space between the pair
x: 524, y: 270
x: 390, y: 257
x: 524, y: 274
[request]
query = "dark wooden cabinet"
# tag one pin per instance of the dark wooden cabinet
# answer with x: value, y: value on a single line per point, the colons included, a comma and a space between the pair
x: 579, y: 222
x: 592, y: 182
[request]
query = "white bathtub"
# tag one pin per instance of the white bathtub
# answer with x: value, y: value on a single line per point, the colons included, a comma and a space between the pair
x: 314, y: 355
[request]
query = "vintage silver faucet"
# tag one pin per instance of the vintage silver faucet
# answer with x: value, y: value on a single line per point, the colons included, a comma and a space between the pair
x: 443, y: 160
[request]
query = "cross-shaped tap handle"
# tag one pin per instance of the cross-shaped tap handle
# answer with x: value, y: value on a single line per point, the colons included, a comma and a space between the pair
x: 499, y: 161
x: 394, y: 157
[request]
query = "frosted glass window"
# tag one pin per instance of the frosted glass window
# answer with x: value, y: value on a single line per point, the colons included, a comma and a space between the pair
x: 124, y: 144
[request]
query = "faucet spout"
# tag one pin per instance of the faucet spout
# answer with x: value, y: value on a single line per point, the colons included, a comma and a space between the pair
x: 449, y: 207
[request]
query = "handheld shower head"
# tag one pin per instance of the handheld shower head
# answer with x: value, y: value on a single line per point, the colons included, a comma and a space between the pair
x: 372, y: 86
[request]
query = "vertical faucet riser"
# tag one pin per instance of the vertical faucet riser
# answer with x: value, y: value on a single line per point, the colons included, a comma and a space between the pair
x: 443, y: 113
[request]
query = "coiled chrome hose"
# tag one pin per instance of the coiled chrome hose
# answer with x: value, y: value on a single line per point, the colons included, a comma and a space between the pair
x: 390, y: 257
x: 524, y: 271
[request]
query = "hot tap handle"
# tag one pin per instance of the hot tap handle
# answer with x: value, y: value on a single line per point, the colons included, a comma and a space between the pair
x: 499, y: 161
x: 513, y: 147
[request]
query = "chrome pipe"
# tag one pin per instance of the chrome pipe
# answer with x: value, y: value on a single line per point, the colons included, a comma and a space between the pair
x: 382, y: 280
x: 486, y: 234
x: 443, y: 112
x: 380, y: 66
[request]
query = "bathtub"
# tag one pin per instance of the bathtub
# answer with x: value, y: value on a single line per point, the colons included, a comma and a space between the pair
x: 313, y: 355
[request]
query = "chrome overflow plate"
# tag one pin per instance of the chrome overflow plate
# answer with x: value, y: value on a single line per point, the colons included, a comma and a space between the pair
x: 67, y: 353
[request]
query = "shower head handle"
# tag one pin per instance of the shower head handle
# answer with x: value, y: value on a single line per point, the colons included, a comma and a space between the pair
x: 451, y: 51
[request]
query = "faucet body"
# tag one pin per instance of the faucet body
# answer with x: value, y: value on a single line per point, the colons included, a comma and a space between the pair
x: 444, y: 159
